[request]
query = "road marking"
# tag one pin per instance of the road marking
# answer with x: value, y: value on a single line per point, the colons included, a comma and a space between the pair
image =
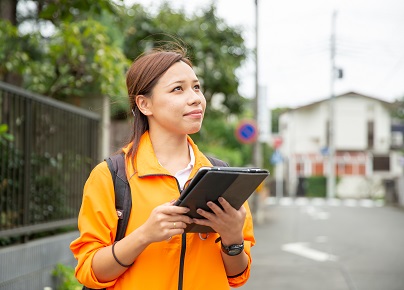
x: 302, y: 249
x: 316, y: 213
x: 321, y: 202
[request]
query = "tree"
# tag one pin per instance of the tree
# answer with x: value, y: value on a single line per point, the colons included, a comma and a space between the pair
x: 80, y: 63
x: 88, y: 54
x: 55, y: 11
x: 17, y: 51
x: 397, y: 109
x: 275, y: 114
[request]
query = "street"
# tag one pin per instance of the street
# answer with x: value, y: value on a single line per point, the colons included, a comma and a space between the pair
x: 328, y: 245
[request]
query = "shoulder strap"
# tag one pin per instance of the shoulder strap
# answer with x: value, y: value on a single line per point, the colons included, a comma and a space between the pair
x: 217, y: 162
x: 123, y: 198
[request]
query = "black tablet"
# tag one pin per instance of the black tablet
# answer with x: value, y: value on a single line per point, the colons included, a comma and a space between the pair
x: 235, y: 184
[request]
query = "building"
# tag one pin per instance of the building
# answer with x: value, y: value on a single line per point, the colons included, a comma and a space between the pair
x: 365, y: 142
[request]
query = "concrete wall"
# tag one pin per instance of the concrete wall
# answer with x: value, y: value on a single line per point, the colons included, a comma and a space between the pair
x: 29, y: 266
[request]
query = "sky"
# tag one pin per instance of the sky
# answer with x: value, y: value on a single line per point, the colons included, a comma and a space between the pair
x: 294, y: 62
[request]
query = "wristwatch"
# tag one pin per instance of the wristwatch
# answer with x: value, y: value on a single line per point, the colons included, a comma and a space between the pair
x: 233, y: 250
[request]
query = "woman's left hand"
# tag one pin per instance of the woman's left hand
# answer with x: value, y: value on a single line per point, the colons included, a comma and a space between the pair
x: 227, y: 222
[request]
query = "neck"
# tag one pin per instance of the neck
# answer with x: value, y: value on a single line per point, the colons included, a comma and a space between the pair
x: 171, y: 151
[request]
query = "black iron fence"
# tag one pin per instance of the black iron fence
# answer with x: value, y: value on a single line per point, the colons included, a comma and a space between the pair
x: 44, y: 167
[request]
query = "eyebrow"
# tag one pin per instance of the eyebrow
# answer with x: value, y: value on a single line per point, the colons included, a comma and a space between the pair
x: 181, y: 82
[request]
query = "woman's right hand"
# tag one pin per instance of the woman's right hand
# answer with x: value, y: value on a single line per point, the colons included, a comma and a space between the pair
x: 165, y: 221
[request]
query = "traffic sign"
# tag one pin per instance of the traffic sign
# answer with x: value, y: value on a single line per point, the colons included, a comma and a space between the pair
x: 247, y: 132
x: 276, y: 157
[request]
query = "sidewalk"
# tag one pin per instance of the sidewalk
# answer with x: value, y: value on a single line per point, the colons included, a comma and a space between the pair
x: 316, y: 245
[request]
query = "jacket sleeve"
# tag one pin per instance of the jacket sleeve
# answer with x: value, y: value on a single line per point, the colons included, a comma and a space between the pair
x: 249, y: 241
x: 97, y: 223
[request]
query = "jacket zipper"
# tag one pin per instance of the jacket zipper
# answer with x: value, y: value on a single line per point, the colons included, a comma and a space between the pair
x: 182, y: 259
x: 183, y: 237
x: 183, y: 250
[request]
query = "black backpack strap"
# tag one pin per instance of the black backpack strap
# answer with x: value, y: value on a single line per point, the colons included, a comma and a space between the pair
x: 217, y: 162
x: 123, y: 198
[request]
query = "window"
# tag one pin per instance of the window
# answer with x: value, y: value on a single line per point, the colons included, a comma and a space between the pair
x: 396, y: 139
x: 381, y: 163
x: 371, y: 135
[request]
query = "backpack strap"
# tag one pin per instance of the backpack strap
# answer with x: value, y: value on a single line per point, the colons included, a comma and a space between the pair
x: 217, y: 162
x: 123, y: 198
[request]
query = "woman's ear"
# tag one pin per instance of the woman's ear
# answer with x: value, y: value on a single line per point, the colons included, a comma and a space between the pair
x: 143, y: 102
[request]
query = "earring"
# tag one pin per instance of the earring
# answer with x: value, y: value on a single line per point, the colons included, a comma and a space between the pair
x: 133, y: 112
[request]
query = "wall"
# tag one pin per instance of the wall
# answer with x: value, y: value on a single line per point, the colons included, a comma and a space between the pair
x: 29, y: 266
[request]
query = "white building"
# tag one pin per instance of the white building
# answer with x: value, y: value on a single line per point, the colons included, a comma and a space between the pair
x: 362, y: 137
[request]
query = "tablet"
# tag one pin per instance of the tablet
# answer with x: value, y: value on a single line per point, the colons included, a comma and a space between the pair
x: 235, y: 184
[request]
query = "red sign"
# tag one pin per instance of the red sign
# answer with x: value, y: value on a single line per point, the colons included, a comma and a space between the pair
x: 277, y: 142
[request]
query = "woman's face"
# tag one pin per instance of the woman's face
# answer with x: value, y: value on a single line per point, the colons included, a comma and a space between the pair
x: 177, y: 104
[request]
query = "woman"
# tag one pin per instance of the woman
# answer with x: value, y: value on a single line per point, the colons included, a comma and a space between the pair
x: 168, y: 105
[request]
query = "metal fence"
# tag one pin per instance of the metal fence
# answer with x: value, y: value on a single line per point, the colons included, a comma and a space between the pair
x: 43, y: 169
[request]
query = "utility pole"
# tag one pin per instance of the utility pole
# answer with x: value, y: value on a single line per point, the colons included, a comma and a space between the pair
x: 331, y: 123
x: 257, y: 150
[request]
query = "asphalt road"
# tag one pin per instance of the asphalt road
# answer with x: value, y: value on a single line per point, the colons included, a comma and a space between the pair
x: 320, y: 245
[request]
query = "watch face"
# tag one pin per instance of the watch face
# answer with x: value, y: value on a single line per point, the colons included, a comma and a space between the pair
x: 233, y: 250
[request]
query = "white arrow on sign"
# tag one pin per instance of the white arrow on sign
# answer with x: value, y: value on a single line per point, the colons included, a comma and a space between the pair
x: 302, y: 249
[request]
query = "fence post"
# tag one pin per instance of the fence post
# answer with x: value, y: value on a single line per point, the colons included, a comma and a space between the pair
x: 105, y: 128
x: 27, y: 162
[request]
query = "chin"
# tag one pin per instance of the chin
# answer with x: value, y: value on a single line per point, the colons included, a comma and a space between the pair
x: 194, y: 130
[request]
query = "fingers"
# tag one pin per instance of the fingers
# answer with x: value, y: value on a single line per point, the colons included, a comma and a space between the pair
x: 176, y: 225
x: 223, y: 218
x: 169, y: 208
x: 217, y: 210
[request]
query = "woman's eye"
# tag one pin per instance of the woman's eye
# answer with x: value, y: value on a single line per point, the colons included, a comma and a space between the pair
x: 197, y: 87
x: 176, y: 89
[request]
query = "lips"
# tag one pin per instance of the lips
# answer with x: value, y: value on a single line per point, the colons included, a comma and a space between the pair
x: 196, y: 113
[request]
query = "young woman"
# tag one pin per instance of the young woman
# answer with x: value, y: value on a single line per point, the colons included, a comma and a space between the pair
x: 168, y: 105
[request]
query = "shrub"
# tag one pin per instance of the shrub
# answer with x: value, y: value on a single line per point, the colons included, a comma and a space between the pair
x: 65, y: 278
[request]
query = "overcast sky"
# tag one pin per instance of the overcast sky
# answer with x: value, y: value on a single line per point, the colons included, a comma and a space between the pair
x: 294, y: 46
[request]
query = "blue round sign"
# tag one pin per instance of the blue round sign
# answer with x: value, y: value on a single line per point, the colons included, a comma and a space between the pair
x: 247, y: 132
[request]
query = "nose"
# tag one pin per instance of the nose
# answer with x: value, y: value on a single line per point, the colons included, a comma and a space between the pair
x: 195, y: 98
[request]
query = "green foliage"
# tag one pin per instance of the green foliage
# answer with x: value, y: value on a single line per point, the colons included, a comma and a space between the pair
x: 275, y: 114
x: 87, y: 57
x: 217, y: 138
x: 80, y: 63
x: 4, y: 136
x: 65, y: 278
x: 58, y: 11
x: 397, y: 109
x: 316, y: 186
x: 16, y: 50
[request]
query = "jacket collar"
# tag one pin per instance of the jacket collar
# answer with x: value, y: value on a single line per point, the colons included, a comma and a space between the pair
x: 147, y: 163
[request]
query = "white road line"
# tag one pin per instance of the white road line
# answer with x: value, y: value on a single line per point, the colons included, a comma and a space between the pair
x: 303, y: 250
x: 320, y: 202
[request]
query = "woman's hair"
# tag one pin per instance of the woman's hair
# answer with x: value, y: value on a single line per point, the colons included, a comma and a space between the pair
x: 141, y: 78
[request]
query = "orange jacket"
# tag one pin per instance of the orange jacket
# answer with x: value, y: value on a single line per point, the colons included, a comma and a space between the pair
x: 160, y: 264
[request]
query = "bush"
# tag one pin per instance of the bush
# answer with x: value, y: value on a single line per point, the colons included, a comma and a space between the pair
x: 316, y: 186
x: 65, y: 278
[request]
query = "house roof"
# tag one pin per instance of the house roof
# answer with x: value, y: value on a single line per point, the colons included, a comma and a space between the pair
x: 352, y: 94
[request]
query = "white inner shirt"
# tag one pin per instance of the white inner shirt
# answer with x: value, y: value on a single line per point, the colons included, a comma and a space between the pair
x: 183, y: 175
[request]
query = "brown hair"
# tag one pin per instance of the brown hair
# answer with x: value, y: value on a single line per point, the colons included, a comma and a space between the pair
x: 141, y: 78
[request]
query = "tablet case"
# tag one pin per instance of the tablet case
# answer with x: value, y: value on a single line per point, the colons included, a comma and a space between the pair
x: 235, y: 184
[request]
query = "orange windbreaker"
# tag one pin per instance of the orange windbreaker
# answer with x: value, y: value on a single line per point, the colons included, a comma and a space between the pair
x: 183, y: 262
